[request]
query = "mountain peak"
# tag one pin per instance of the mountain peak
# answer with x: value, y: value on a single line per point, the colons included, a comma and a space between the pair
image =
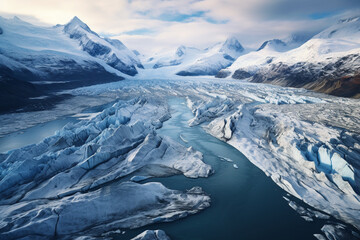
x: 76, y: 19
x: 233, y: 44
x: 274, y: 44
x: 76, y: 22
x: 231, y: 39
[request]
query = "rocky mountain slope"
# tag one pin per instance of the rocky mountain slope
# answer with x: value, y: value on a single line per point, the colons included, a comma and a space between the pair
x: 328, y: 62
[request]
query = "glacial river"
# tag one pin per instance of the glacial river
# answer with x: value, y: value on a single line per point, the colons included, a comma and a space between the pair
x: 245, y: 203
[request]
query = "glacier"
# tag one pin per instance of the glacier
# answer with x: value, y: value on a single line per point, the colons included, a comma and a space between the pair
x: 314, y: 162
x: 113, y: 207
x: 44, y: 186
x: 307, y: 143
x: 303, y: 140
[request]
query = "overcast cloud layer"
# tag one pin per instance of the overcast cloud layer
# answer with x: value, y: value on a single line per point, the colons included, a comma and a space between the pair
x: 154, y: 25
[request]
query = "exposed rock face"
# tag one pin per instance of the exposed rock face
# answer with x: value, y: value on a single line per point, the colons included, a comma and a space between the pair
x: 335, y: 78
x: 347, y: 86
x: 329, y: 62
x: 223, y: 74
x: 241, y: 74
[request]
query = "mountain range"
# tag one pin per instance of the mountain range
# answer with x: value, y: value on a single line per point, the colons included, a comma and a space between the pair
x: 329, y: 62
x: 38, y: 62
x: 191, y: 61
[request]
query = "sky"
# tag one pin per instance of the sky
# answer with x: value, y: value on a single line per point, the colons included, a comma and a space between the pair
x: 151, y: 26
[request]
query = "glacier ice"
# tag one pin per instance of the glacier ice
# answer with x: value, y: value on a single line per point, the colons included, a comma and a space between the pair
x: 300, y: 156
x: 336, y: 231
x: 111, y: 207
x: 280, y: 130
x: 50, y: 186
x: 152, y: 235
x: 283, y: 137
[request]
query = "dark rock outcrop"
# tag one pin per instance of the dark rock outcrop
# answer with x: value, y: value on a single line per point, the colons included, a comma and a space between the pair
x: 223, y: 74
x: 339, y: 78
x: 22, y: 89
x: 241, y: 74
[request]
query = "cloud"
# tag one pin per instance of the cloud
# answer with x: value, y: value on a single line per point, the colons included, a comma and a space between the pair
x: 299, y: 9
x: 152, y: 25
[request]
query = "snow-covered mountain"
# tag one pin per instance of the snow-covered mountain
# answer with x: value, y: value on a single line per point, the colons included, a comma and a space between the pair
x: 248, y: 64
x: 329, y: 62
x: 112, y: 51
x: 189, y: 61
x: 42, y: 60
x: 215, y: 58
x: 182, y: 56
x: 275, y: 44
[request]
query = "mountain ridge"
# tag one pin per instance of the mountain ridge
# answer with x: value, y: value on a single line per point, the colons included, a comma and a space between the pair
x: 28, y: 57
x: 329, y: 62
